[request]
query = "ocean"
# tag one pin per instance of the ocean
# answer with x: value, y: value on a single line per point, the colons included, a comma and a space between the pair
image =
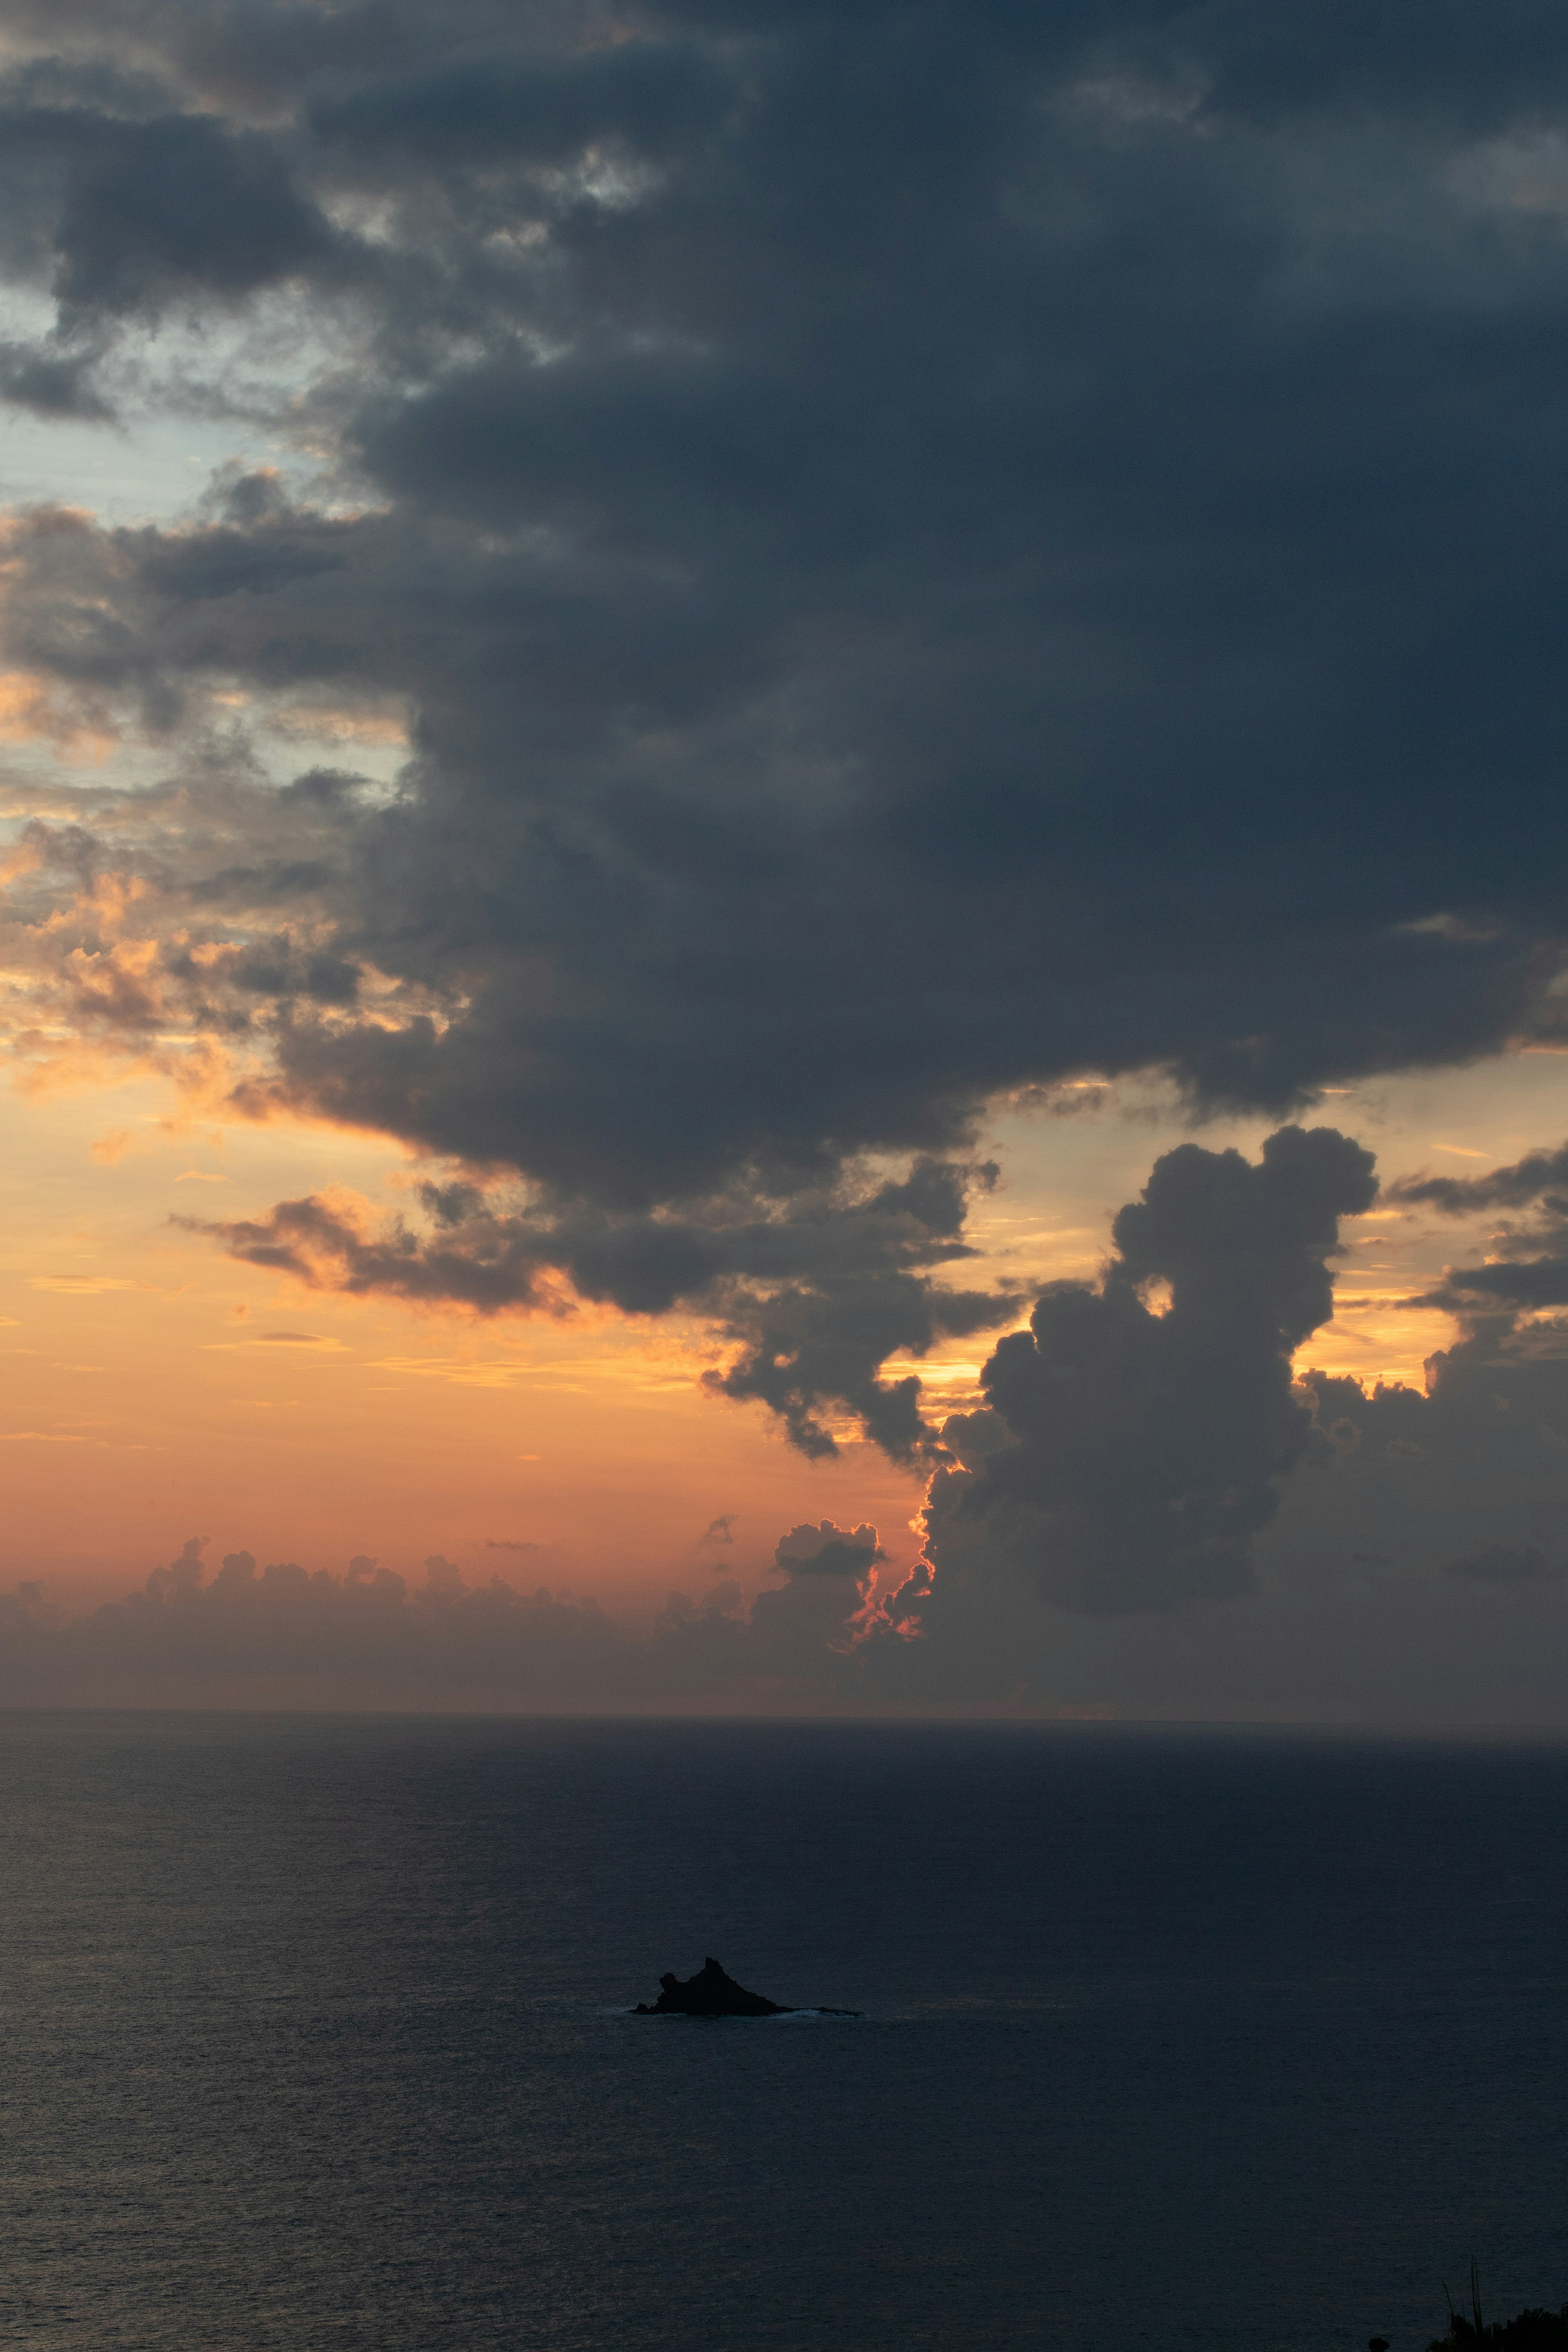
x: 315, y: 2034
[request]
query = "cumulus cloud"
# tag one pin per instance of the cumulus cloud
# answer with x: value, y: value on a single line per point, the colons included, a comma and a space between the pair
x: 1144, y: 1445
x: 1127, y: 1457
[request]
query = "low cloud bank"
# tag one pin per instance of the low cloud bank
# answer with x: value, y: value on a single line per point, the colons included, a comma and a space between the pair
x: 283, y: 1636
x: 1435, y: 1635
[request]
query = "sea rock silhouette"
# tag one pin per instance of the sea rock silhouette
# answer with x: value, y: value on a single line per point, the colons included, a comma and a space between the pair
x: 711, y: 1992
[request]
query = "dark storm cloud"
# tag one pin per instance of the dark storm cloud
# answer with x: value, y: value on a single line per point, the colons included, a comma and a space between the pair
x: 1128, y: 1458
x: 928, y: 549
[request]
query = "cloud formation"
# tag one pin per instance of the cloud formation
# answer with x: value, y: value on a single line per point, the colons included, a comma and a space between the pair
x: 1127, y: 1457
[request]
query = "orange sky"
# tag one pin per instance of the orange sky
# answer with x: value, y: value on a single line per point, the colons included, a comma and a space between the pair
x: 151, y: 1389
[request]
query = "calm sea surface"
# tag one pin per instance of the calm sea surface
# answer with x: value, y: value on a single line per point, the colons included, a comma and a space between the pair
x: 314, y: 2036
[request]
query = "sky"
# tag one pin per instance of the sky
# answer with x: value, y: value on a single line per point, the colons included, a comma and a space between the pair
x: 781, y: 833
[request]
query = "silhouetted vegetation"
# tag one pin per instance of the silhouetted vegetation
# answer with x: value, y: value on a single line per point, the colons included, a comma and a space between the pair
x: 1528, y: 2331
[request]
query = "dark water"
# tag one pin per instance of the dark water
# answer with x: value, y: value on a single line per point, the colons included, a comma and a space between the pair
x: 310, y: 2036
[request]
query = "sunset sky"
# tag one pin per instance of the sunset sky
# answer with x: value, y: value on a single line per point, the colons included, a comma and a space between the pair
x: 683, y: 688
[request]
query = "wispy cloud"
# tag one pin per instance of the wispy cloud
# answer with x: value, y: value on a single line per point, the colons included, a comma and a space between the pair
x: 85, y: 1285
